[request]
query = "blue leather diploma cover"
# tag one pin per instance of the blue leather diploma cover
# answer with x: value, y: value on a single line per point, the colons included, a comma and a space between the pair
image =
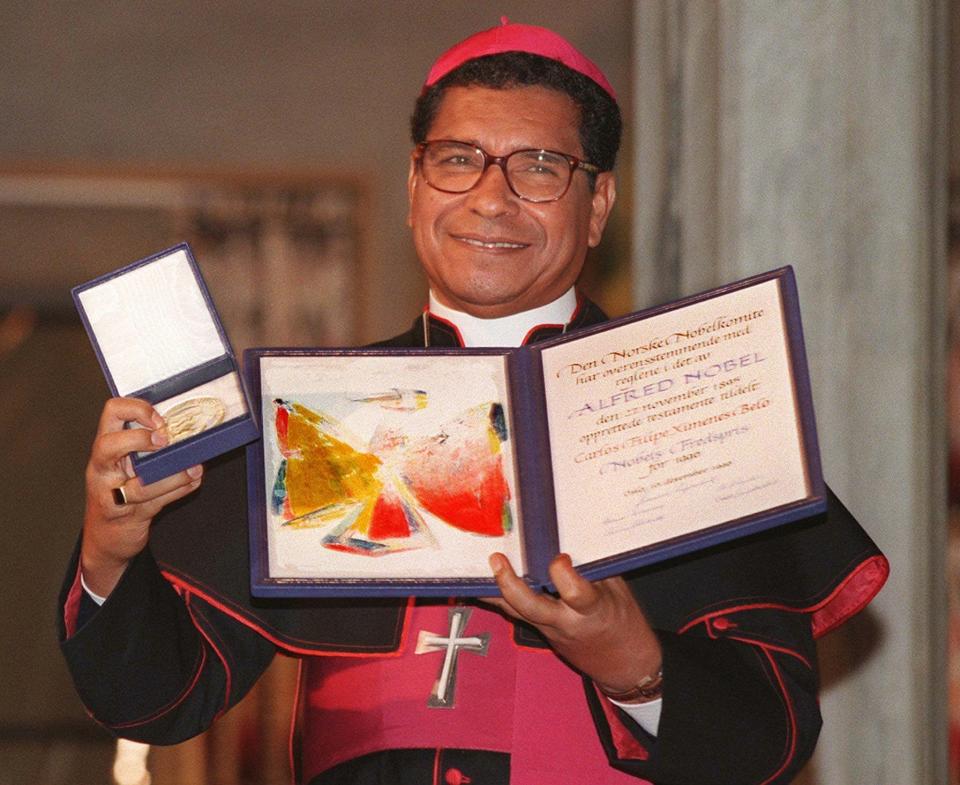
x: 397, y: 472
x: 158, y: 337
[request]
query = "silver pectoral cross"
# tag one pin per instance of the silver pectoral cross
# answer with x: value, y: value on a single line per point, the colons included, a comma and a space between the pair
x: 443, y: 688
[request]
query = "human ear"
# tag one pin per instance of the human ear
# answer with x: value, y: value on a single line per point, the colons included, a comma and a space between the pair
x: 604, y: 195
x: 411, y: 186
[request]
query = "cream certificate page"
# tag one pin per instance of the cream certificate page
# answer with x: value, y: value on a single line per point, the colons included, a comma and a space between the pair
x: 673, y: 424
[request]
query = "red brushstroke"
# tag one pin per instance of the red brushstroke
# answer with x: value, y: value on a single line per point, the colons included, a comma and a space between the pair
x: 389, y: 519
x: 282, y: 423
x: 477, y: 508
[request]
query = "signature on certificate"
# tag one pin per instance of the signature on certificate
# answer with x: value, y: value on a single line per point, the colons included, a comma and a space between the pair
x: 738, y: 488
x: 641, y: 515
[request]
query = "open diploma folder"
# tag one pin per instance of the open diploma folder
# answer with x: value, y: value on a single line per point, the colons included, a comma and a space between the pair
x: 158, y: 337
x: 396, y: 472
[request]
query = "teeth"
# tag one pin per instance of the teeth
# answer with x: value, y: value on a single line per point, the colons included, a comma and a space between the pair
x: 491, y: 246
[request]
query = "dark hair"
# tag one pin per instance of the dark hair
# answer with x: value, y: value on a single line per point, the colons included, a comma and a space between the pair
x: 600, y: 123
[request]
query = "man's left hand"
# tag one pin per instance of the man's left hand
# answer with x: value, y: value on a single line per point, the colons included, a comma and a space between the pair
x: 597, y: 627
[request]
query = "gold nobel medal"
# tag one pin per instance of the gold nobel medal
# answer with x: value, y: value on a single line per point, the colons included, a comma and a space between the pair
x: 193, y: 416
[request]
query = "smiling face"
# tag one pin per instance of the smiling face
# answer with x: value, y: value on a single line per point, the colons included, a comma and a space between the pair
x: 486, y: 251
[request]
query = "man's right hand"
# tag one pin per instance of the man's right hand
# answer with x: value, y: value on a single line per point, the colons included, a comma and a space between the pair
x: 114, y: 533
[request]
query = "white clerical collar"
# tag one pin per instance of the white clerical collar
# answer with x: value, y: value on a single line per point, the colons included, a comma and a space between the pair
x: 506, y: 330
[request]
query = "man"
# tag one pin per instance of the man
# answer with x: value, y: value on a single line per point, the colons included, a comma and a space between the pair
x: 699, y: 670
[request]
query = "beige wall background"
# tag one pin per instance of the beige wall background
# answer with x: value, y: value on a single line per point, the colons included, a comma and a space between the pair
x: 815, y: 133
x: 323, y: 86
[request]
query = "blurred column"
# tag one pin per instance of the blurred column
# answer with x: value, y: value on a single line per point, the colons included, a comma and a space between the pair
x: 813, y: 133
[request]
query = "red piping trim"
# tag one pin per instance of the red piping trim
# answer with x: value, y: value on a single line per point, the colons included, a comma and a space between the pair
x: 865, y: 580
x: 451, y: 325
x: 573, y: 316
x: 792, y: 718
x: 171, y: 706
x: 771, y: 647
x: 216, y: 650
x: 404, y: 631
x: 279, y: 642
x: 870, y: 574
x: 853, y: 594
x: 537, y: 327
x: 293, y: 724
x: 579, y: 307
x: 531, y: 649
x: 436, y: 767
x: 626, y: 744
x: 71, y: 606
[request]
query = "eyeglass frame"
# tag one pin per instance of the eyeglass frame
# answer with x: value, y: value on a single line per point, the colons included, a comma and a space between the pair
x: 501, y: 161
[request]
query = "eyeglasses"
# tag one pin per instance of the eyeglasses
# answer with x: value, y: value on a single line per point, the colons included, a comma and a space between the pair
x: 533, y: 175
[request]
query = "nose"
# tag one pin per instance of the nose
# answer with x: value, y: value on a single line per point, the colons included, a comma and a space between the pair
x: 491, y: 196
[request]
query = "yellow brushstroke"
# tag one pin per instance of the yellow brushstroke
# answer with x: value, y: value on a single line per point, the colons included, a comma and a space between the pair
x: 323, y: 470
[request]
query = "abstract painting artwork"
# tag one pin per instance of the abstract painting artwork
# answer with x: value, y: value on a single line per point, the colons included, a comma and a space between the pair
x: 376, y: 495
x: 393, y: 462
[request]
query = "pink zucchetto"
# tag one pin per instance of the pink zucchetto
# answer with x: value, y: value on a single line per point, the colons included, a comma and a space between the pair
x: 509, y: 37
